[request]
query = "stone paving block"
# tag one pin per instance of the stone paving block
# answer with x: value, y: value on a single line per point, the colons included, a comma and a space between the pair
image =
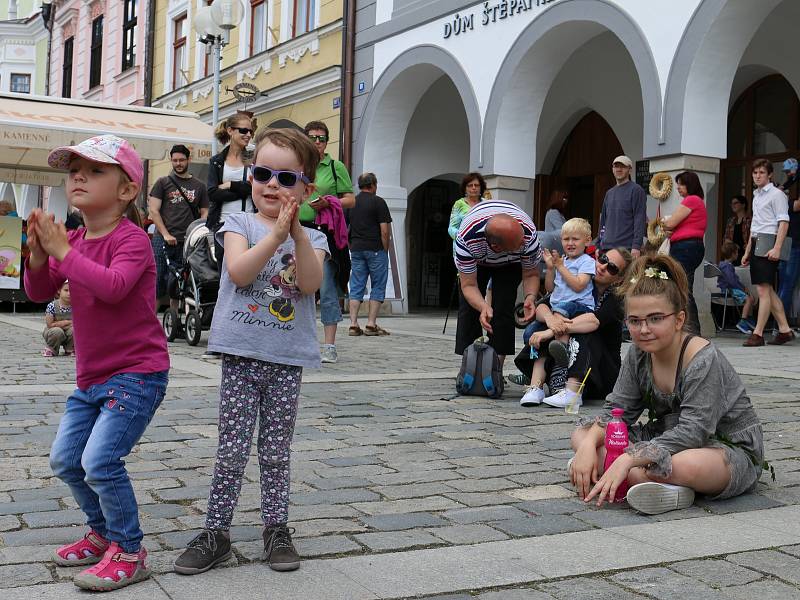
x: 517, y: 594
x: 612, y: 516
x: 716, y: 573
x: 565, y: 506
x: 541, y: 492
x: 26, y: 554
x: 430, y: 503
x: 322, y: 526
x: 772, y: 562
x: 321, y: 511
x: 45, y: 493
x: 183, y: 493
x: 586, y: 588
x: 12, y: 576
x: 397, y: 540
x: 335, y: 483
x: 745, y: 502
x: 164, y: 511
x: 9, y: 523
x: 529, y: 526
x: 57, y: 518
x: 48, y: 535
x: 17, y: 508
x: 395, y: 522
x: 764, y: 590
x: 468, y: 534
x: 483, y: 515
x: 414, y: 490
x: 482, y: 498
x: 344, y: 496
x: 665, y: 584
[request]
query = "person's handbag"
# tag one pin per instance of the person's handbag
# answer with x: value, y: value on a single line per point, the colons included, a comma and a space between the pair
x: 481, y: 372
x: 766, y: 241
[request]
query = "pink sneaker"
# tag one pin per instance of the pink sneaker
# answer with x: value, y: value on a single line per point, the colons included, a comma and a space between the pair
x: 117, y: 570
x: 47, y: 353
x: 86, y: 551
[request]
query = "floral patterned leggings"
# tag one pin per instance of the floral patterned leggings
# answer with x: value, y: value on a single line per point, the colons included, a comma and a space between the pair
x: 253, y: 388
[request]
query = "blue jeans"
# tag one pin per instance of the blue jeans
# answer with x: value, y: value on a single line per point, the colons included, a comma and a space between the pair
x: 788, y: 274
x: 372, y: 264
x: 568, y: 310
x: 690, y: 254
x: 100, y: 426
x: 330, y: 311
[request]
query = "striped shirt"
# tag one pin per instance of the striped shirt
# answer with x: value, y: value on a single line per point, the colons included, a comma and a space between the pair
x: 472, y: 249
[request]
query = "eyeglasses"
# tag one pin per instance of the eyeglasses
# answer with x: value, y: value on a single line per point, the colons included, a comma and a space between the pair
x: 243, y: 130
x: 652, y: 321
x: 287, y: 179
x: 610, y: 266
x: 318, y: 138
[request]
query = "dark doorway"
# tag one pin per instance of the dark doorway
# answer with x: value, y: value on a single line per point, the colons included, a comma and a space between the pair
x: 583, y: 169
x: 431, y: 272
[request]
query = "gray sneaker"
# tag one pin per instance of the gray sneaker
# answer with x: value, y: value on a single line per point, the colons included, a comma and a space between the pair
x: 209, y: 548
x: 279, y: 550
x: 329, y: 354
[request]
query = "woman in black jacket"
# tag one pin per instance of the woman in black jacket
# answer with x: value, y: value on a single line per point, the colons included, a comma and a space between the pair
x: 229, y: 191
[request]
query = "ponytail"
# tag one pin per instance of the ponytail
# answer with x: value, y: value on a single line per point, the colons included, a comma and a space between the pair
x: 132, y: 212
x: 221, y: 132
x: 657, y: 275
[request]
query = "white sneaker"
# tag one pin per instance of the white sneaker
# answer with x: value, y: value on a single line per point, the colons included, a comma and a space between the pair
x: 328, y: 354
x: 653, y: 498
x: 562, y: 399
x: 533, y: 397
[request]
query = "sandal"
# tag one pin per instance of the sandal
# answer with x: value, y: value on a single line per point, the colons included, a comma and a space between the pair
x: 374, y: 330
x: 355, y: 330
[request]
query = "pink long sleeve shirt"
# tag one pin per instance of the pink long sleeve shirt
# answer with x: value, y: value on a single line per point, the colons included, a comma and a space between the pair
x: 112, y: 282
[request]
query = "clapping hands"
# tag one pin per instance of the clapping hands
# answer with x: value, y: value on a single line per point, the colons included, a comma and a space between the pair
x: 46, y: 237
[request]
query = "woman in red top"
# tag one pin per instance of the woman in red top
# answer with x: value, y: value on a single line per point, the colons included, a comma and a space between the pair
x: 686, y: 228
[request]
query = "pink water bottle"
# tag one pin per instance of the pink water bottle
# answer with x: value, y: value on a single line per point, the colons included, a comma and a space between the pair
x: 616, y: 442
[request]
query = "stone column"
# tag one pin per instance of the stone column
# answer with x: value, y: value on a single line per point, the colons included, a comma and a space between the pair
x: 518, y: 190
x: 397, y: 200
x: 707, y: 170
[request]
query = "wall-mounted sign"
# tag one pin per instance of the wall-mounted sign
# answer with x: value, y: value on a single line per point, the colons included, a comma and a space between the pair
x: 492, y: 13
x: 643, y: 174
x: 362, y: 85
x: 337, y: 102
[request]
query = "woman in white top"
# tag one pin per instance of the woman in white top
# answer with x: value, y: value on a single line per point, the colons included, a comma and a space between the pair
x: 229, y: 191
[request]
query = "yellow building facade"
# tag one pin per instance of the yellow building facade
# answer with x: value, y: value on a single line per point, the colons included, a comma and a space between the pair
x: 290, y: 50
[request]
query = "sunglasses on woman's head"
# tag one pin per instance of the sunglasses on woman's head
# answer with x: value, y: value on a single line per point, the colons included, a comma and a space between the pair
x: 287, y: 179
x: 610, y: 266
x: 243, y: 130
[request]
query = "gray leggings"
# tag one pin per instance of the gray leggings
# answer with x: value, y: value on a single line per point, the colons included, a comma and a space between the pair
x: 253, y: 388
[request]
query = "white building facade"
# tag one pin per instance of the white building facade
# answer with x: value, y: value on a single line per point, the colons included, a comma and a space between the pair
x: 540, y: 95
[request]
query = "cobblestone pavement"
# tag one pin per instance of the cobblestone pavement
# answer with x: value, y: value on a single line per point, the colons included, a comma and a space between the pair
x: 385, y: 461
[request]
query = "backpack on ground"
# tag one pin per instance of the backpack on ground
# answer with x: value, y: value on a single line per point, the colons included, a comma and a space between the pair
x: 481, y: 373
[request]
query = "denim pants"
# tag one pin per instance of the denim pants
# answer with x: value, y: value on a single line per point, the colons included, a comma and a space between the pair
x: 569, y: 310
x: 690, y: 254
x: 788, y: 274
x: 330, y: 311
x: 372, y: 264
x: 100, y: 426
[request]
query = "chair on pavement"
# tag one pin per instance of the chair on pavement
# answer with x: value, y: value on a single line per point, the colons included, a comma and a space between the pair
x: 718, y: 297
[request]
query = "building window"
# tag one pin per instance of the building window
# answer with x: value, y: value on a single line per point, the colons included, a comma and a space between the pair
x: 258, y: 26
x: 96, y: 61
x: 129, y: 34
x: 66, y: 69
x: 179, y: 78
x: 303, y: 16
x: 21, y: 83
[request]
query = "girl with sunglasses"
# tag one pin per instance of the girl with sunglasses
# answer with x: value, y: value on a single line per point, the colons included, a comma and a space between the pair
x: 701, y: 434
x: 229, y: 190
x: 265, y: 328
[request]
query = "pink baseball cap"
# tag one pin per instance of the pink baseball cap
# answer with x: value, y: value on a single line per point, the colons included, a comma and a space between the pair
x: 107, y: 149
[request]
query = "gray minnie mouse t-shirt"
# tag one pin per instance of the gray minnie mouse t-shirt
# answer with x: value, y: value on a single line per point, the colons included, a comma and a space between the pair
x: 270, y: 319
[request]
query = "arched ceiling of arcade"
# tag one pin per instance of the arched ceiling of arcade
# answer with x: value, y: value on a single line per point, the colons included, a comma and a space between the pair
x: 424, y: 91
x: 531, y: 75
x: 615, y: 94
x: 728, y: 45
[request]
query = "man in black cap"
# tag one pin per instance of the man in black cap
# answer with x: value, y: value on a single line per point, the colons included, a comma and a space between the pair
x: 175, y: 201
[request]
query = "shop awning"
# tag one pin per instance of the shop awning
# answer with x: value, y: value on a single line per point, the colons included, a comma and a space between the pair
x: 31, y: 126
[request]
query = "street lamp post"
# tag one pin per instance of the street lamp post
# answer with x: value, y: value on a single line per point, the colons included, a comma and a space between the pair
x: 215, y: 23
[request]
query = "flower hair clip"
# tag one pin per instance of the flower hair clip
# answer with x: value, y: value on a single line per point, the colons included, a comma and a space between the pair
x: 655, y: 273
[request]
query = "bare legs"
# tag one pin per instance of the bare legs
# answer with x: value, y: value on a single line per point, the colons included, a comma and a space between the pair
x: 768, y: 302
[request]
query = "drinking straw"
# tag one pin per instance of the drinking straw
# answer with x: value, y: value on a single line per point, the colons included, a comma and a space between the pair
x: 585, y: 378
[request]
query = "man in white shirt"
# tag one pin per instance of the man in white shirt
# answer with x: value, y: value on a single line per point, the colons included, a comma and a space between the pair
x: 770, y: 217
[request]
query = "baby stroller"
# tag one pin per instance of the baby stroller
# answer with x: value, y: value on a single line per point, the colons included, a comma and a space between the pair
x: 196, y: 286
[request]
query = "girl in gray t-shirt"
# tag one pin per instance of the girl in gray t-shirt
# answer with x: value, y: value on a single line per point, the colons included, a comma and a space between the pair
x: 701, y: 433
x: 264, y: 326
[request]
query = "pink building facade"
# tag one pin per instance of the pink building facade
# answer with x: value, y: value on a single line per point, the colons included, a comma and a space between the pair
x: 98, y: 50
